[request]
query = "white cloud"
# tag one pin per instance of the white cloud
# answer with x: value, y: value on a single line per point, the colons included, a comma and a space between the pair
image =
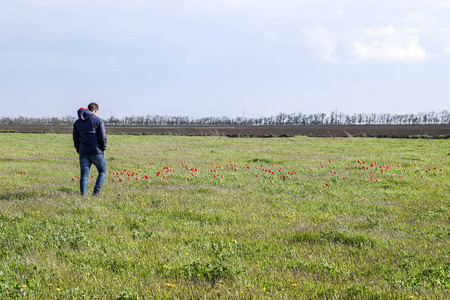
x: 99, y: 6
x: 421, y: 20
x: 389, y: 44
x: 442, y: 3
x: 445, y: 37
x: 240, y: 3
x: 192, y: 59
x: 324, y: 45
x: 271, y: 36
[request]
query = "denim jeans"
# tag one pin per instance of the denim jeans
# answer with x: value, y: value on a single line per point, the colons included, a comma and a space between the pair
x: 85, y: 165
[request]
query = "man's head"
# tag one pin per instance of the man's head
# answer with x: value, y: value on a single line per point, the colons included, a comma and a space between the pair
x: 93, y: 107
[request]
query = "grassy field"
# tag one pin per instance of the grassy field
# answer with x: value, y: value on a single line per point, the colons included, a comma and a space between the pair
x: 304, y: 218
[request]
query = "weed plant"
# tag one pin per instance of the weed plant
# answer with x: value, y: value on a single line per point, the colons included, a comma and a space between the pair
x: 213, y: 217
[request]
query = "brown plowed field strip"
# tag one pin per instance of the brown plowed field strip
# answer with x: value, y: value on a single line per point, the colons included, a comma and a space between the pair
x: 382, y: 131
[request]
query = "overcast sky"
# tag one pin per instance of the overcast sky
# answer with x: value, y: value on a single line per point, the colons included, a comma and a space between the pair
x: 223, y: 57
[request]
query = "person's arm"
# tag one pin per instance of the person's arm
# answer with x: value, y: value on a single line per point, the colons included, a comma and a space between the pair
x: 101, y: 135
x: 76, y: 138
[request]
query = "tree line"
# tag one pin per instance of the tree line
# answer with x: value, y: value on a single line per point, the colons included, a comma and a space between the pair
x: 282, y: 119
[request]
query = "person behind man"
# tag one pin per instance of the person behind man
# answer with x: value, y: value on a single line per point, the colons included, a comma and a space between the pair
x: 89, y: 137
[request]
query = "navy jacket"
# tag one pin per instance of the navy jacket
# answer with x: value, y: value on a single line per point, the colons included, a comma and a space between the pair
x: 89, y: 135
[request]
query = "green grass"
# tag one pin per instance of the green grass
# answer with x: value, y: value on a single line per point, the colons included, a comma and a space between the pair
x: 237, y: 236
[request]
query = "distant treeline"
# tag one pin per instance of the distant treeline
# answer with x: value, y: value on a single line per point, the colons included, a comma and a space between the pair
x: 282, y: 119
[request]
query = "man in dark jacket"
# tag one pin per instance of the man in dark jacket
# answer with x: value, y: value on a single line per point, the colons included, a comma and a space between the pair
x: 89, y: 138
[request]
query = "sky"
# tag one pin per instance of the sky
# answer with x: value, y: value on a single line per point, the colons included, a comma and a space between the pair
x: 232, y: 58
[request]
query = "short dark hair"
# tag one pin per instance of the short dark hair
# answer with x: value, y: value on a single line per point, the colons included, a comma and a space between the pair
x: 93, y: 106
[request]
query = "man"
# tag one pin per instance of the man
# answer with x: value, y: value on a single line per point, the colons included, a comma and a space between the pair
x: 89, y: 139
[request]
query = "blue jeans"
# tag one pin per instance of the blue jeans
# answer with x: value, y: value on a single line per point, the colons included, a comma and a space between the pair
x: 85, y: 165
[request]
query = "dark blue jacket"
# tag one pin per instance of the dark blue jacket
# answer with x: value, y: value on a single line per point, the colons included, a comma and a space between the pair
x: 89, y: 135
